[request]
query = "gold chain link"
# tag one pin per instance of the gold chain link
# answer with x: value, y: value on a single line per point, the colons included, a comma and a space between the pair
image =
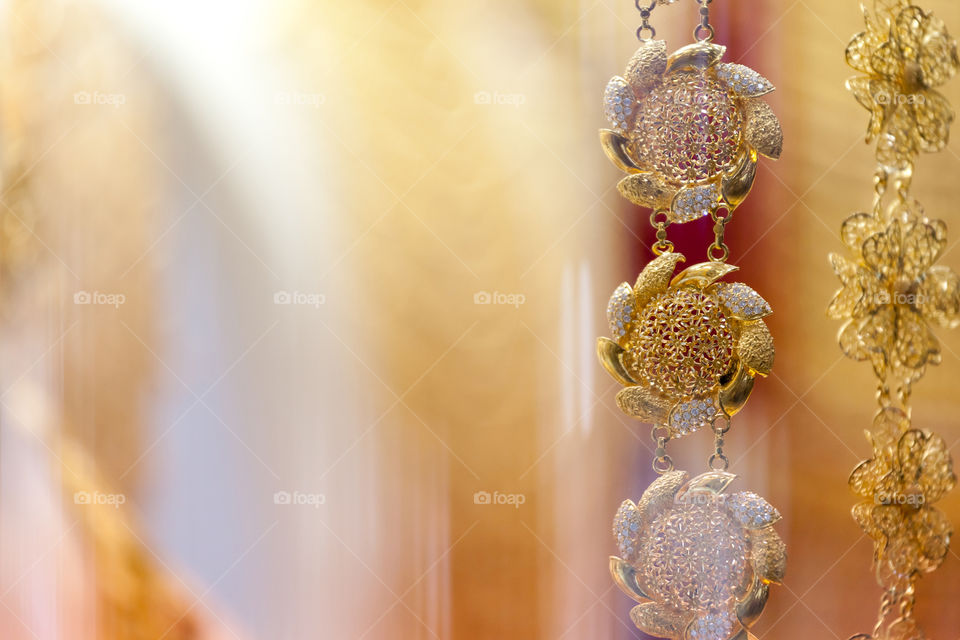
x: 645, y: 26
x: 719, y: 251
x: 662, y: 245
x: 662, y: 462
x: 704, y: 31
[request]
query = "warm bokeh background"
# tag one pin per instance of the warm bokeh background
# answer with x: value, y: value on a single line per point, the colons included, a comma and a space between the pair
x: 379, y: 166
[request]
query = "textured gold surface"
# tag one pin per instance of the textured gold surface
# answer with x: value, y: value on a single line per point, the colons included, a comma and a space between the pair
x: 647, y: 66
x: 660, y: 494
x: 657, y: 620
x: 655, y: 277
x: 763, y: 130
x: 644, y: 404
x: 756, y: 347
x: 645, y: 190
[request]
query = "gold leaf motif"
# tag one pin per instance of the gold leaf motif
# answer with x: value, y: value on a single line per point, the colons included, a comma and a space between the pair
x: 736, y: 186
x: 609, y: 353
x: 644, y: 404
x: 615, y: 147
x: 647, y: 66
x: 655, y: 277
x: 756, y: 347
x: 660, y: 494
x: 645, y: 190
x: 702, y: 274
x: 762, y: 128
x: 698, y: 55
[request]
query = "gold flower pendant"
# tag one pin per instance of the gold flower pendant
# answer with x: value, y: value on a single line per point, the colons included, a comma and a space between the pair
x: 687, y: 347
x: 698, y: 561
x: 688, y: 129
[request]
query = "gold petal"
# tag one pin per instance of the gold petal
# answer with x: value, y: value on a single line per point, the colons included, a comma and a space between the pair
x: 698, y: 55
x: 923, y: 242
x: 660, y: 495
x: 859, y: 51
x: 736, y: 185
x: 644, y: 404
x: 742, y: 80
x: 939, y: 298
x: 751, y: 606
x: 735, y: 395
x: 645, y: 190
x: 655, y: 277
x: 755, y: 347
x: 934, y: 115
x: 857, y: 228
x: 886, y: 60
x: 625, y: 577
x: 915, y: 343
x: 711, y: 482
x: 609, y: 353
x: 647, y: 66
x: 657, y: 620
x: 615, y: 146
x: 702, y: 274
x: 938, y: 56
x: 769, y: 554
x: 762, y: 128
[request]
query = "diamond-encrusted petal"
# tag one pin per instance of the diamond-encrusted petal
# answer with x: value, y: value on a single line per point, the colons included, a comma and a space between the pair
x: 769, y: 555
x: 693, y: 203
x: 741, y: 301
x: 626, y: 529
x: 713, y: 626
x: 752, y: 511
x: 692, y: 414
x: 646, y: 67
x: 620, y: 311
x: 619, y: 104
x: 743, y: 81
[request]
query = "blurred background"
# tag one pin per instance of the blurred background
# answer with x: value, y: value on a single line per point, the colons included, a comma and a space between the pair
x: 286, y: 284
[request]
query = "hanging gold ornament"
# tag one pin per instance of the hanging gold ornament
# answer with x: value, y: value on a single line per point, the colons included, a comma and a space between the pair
x: 688, y: 346
x: 892, y: 292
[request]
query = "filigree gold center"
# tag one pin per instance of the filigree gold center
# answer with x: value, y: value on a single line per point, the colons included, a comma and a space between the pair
x: 682, y: 344
x: 688, y: 128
